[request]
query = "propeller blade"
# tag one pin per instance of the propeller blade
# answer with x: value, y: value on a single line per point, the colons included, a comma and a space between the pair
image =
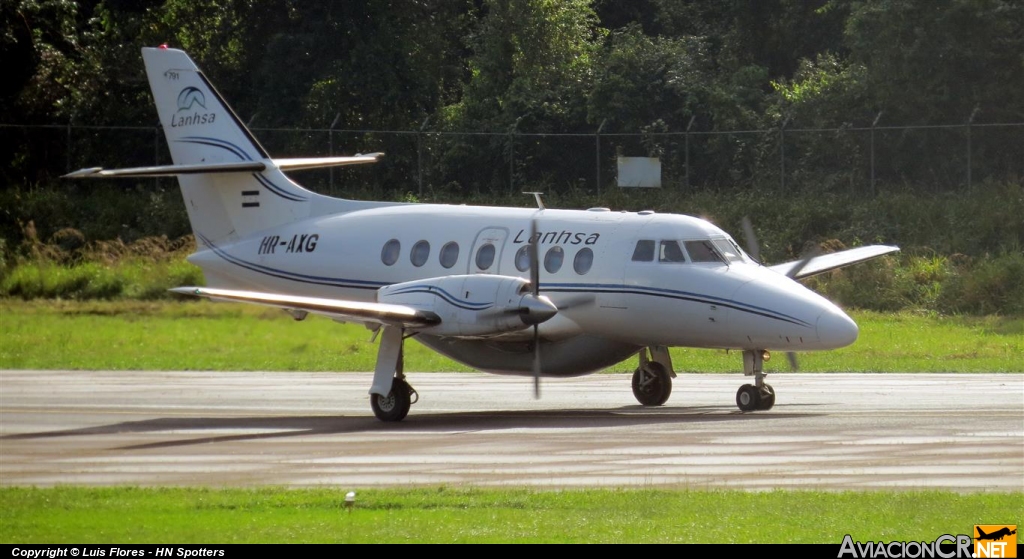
x: 808, y: 256
x: 536, y: 362
x: 534, y: 259
x: 792, y: 361
x: 573, y: 301
x: 535, y: 282
x: 753, y: 247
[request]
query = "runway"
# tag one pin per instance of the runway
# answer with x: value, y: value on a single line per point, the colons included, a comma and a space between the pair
x: 962, y: 432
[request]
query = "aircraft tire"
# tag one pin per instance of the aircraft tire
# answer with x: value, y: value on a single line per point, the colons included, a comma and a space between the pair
x: 748, y: 398
x: 394, y: 406
x: 656, y: 391
x: 767, y: 398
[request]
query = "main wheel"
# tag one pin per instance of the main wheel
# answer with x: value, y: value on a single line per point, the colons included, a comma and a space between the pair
x: 767, y: 397
x: 748, y: 397
x: 652, y: 386
x: 394, y: 406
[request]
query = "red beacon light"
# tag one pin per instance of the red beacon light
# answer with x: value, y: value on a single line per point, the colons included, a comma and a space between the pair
x: 163, y: 46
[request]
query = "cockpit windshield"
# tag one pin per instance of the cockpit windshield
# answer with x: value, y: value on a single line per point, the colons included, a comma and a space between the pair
x: 703, y: 251
x: 723, y: 251
x: 729, y: 250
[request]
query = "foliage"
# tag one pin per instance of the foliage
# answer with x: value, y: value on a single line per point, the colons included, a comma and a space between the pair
x: 508, y: 67
x: 70, y: 268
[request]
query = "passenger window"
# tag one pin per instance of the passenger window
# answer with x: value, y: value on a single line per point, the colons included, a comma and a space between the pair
x: 583, y: 261
x: 389, y: 254
x: 523, y: 259
x: 553, y: 259
x: 449, y: 254
x: 670, y: 252
x: 419, y: 254
x: 644, y: 251
x: 702, y: 251
x: 485, y: 256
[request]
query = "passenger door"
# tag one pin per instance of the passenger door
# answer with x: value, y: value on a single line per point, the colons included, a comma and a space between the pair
x: 479, y: 262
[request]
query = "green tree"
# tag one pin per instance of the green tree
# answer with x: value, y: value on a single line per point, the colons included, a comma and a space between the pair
x: 532, y: 63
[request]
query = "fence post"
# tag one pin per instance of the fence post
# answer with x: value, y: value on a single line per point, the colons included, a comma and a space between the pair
x: 156, y: 154
x: 970, y: 122
x: 419, y: 154
x: 874, y: 123
x: 597, y: 157
x: 782, y: 153
x: 512, y: 156
x: 68, y: 150
x: 687, y: 149
x: 330, y: 147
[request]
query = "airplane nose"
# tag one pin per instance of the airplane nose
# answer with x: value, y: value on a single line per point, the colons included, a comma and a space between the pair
x: 835, y: 329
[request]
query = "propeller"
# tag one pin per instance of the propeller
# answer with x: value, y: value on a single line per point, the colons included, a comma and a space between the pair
x: 754, y: 250
x: 535, y: 284
x: 753, y: 247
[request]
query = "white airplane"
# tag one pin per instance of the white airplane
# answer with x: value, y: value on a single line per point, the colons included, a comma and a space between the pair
x: 519, y: 291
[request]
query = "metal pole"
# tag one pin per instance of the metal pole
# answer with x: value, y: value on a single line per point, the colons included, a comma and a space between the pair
x: 330, y: 147
x: 688, y: 126
x: 419, y: 154
x: 873, y: 125
x: 512, y: 156
x: 597, y: 157
x: 511, y: 161
x: 68, y: 150
x: 970, y: 121
x: 156, y: 154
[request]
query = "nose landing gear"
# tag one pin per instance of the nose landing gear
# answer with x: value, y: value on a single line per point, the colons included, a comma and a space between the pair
x: 759, y: 396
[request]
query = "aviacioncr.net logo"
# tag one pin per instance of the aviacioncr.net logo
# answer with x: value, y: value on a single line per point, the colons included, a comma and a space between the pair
x: 945, y: 546
x: 189, y: 98
x: 995, y: 541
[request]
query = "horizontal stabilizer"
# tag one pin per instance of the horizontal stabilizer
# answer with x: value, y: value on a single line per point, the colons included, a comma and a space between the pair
x: 236, y: 167
x: 351, y: 311
x: 167, y: 170
x: 318, y: 162
x: 827, y: 262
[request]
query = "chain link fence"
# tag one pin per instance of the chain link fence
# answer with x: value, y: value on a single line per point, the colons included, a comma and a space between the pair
x: 860, y: 159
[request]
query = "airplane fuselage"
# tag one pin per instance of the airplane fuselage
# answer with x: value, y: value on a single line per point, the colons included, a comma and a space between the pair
x: 619, y: 288
x: 504, y: 290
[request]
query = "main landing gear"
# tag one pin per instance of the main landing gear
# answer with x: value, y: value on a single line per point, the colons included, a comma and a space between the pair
x: 759, y: 396
x: 652, y: 380
x: 391, y: 396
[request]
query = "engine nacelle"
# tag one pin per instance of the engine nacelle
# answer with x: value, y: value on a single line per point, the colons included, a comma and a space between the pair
x: 472, y: 305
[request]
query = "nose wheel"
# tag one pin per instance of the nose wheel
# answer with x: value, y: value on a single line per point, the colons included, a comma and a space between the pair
x: 752, y: 398
x: 759, y: 396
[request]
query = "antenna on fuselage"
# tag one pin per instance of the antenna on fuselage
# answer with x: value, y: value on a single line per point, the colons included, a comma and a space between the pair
x: 537, y: 195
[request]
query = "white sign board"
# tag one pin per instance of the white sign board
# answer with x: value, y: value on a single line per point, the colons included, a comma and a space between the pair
x: 640, y: 172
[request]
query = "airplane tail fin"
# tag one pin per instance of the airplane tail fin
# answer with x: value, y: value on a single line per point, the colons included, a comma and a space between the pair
x: 239, y: 189
x: 981, y: 533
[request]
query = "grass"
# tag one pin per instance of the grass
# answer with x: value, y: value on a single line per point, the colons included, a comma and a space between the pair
x: 190, y: 335
x: 206, y: 336
x: 457, y: 515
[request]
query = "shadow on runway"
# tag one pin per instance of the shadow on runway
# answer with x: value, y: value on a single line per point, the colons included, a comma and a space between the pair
x: 459, y: 422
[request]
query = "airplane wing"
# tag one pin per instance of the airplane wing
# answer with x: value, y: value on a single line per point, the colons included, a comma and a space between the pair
x: 381, y: 313
x: 826, y: 262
